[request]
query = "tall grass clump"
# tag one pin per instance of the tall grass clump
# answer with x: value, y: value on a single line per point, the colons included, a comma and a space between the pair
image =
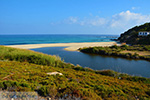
x: 22, y: 55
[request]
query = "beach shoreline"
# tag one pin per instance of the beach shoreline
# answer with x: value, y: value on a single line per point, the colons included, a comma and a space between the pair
x: 69, y: 46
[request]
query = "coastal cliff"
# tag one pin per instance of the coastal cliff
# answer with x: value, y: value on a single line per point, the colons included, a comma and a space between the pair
x: 131, y: 35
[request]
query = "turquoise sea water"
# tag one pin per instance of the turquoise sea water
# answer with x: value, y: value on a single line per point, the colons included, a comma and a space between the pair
x: 39, y: 39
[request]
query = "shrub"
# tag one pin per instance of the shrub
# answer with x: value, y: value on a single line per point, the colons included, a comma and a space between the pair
x: 106, y: 72
x: 1, y: 85
x: 114, y: 46
x: 148, y: 92
x: 7, y: 84
x: 79, y: 68
x: 24, y: 85
x: 124, y: 47
x: 139, y: 79
x: 52, y: 91
x: 42, y: 91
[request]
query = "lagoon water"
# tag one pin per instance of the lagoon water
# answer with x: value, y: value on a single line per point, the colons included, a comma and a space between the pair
x: 132, y: 67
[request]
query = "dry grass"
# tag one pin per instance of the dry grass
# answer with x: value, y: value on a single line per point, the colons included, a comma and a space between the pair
x: 141, y: 53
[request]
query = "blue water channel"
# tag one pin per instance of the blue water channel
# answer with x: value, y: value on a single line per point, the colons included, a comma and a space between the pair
x: 97, y: 62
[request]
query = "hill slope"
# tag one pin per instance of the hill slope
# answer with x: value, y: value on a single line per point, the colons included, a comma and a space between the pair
x: 28, y: 71
x: 131, y: 36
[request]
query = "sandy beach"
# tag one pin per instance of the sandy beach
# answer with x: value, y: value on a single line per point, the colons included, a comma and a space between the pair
x: 69, y: 46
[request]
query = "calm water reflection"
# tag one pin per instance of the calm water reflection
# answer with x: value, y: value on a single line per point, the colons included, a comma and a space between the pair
x: 132, y: 67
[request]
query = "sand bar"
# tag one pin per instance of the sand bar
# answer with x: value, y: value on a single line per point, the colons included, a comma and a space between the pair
x: 70, y: 46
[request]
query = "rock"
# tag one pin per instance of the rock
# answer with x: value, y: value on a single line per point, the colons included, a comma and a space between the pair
x: 54, y: 73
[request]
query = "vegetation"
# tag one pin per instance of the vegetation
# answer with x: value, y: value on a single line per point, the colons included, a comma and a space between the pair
x: 125, y: 51
x: 131, y: 36
x: 76, y: 82
x: 14, y: 54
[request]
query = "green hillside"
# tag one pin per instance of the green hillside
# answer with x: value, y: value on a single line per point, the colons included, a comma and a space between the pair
x: 25, y: 70
x: 131, y: 36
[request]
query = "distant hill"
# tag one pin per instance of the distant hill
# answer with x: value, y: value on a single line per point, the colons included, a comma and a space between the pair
x: 131, y: 36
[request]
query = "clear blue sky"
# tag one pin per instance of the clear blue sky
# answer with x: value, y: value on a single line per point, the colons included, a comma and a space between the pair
x: 72, y: 16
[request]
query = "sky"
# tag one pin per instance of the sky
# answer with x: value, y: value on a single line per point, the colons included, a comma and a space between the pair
x: 104, y: 17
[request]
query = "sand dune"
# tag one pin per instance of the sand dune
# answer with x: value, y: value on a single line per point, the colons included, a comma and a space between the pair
x: 70, y: 46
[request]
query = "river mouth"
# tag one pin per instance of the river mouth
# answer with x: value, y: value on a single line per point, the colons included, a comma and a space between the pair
x: 97, y: 62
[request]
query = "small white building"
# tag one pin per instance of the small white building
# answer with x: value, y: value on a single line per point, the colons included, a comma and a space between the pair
x: 144, y: 33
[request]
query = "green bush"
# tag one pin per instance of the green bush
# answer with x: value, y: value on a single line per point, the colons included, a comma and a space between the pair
x: 148, y: 92
x: 42, y: 91
x: 24, y: 85
x: 139, y: 79
x: 52, y: 91
x: 7, y: 84
x: 106, y: 72
x: 1, y: 85
x: 79, y: 68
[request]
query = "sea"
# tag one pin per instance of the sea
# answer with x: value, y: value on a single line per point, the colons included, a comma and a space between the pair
x: 40, y: 39
x: 96, y: 62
